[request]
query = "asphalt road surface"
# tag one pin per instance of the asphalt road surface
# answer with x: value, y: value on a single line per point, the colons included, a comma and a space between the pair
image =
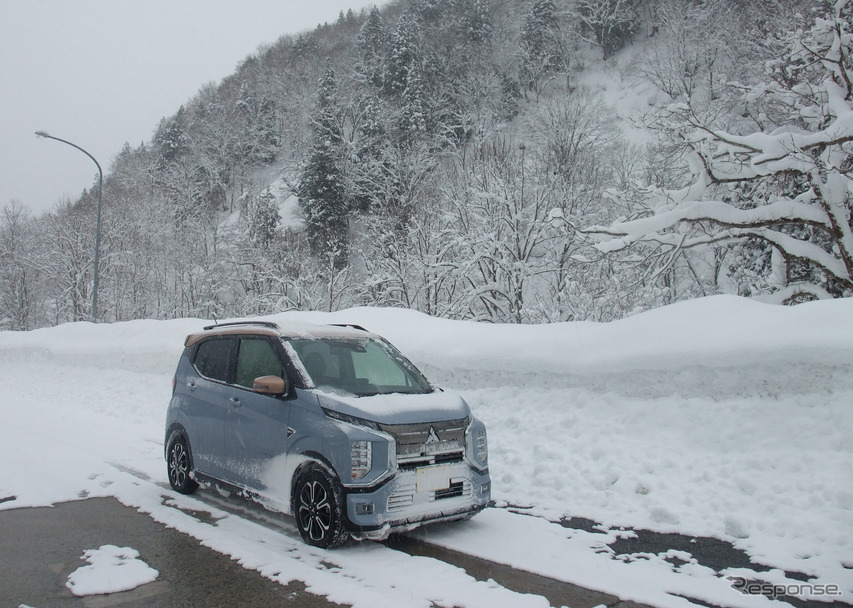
x: 40, y: 547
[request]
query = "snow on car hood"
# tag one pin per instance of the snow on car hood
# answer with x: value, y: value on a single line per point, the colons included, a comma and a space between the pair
x: 398, y: 408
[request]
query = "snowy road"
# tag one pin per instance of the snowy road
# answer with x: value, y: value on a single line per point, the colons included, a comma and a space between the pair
x: 720, y: 419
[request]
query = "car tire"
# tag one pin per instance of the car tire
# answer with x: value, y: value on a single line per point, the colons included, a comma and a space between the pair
x: 318, y: 507
x: 179, y: 465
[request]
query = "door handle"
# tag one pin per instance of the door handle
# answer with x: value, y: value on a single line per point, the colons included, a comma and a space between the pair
x: 234, y: 401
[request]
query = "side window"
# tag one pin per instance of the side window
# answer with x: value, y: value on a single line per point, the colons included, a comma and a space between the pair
x: 212, y: 358
x: 256, y: 358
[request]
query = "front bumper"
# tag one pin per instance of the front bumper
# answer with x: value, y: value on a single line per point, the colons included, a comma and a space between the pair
x: 414, y: 497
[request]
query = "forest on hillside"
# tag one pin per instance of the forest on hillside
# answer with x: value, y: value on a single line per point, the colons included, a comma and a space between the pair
x: 464, y: 158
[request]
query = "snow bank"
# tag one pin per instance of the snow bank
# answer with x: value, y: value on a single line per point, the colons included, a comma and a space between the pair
x: 144, y: 345
x: 719, y: 331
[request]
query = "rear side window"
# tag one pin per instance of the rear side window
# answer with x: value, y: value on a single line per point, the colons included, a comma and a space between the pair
x: 212, y: 358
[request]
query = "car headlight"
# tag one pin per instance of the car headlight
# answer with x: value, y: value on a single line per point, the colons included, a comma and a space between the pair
x: 361, y: 457
x: 481, y: 445
x: 335, y: 415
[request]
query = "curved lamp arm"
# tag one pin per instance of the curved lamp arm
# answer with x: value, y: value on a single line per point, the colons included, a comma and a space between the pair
x: 98, y: 224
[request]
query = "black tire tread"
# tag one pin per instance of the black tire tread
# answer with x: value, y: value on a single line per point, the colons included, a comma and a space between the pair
x: 189, y: 485
x: 338, y: 534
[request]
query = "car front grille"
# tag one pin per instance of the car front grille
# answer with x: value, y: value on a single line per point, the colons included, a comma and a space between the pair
x: 426, y: 444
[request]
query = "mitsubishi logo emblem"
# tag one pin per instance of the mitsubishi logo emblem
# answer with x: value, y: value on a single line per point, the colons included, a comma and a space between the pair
x: 433, y: 436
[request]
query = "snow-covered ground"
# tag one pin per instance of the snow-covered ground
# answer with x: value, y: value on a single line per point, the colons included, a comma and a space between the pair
x: 719, y: 417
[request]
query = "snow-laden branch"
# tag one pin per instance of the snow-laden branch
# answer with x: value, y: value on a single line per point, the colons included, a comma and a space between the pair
x: 792, y: 247
x: 622, y: 235
x: 809, y: 217
x: 788, y: 148
x: 795, y: 290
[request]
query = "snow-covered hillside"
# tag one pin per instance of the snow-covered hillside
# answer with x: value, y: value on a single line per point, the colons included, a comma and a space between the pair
x: 717, y: 417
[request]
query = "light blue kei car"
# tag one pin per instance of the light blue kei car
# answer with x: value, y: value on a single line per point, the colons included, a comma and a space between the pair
x: 328, y: 423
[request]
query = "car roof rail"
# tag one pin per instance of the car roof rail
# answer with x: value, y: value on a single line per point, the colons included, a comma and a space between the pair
x: 269, y: 324
x: 353, y: 325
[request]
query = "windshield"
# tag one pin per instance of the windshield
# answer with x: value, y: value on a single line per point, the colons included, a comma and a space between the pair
x: 359, y: 367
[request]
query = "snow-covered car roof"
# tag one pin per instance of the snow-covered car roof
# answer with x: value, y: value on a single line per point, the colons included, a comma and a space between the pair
x: 309, y: 331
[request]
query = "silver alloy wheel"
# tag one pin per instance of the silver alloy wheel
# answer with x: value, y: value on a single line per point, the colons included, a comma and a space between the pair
x: 179, y: 464
x: 315, y: 511
x: 319, y: 507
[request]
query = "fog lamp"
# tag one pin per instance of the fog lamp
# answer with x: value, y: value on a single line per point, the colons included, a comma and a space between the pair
x: 364, y: 508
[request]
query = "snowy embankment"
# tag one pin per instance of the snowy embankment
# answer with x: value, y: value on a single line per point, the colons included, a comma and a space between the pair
x: 718, y: 417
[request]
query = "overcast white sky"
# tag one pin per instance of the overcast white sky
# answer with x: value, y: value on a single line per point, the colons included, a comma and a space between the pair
x: 102, y: 72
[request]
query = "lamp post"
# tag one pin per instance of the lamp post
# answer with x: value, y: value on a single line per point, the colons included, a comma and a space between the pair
x: 98, y: 223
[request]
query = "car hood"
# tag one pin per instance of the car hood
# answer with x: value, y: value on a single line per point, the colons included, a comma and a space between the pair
x: 398, y: 408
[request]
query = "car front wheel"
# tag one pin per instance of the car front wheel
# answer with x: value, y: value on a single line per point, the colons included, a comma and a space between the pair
x: 318, y: 508
x: 178, y: 464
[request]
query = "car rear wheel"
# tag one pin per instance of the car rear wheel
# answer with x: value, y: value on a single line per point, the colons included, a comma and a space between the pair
x: 318, y: 507
x: 178, y: 465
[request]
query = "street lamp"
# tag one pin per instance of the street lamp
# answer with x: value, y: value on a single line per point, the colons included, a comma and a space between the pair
x: 98, y: 223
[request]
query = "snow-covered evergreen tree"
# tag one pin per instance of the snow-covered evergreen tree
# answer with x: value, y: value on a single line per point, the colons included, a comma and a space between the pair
x: 403, y: 56
x: 321, y: 189
x: 478, y: 22
x: 370, y: 44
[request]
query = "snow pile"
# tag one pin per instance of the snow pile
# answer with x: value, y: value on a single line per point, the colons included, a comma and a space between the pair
x: 718, y: 417
x: 111, y: 569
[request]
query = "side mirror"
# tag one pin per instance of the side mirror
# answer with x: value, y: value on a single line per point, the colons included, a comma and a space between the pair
x: 269, y: 385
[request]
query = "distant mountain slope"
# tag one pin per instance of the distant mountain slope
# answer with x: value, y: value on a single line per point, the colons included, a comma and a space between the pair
x: 448, y: 156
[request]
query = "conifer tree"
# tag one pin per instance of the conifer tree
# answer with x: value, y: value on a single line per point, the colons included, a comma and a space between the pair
x: 539, y: 27
x: 257, y: 122
x: 478, y: 22
x: 403, y: 56
x: 370, y: 44
x: 170, y: 139
x: 321, y: 189
x: 539, y: 45
x: 262, y: 219
x: 367, y: 172
x: 406, y: 82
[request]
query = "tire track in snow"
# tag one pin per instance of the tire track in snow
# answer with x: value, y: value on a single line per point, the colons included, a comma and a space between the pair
x: 366, y: 574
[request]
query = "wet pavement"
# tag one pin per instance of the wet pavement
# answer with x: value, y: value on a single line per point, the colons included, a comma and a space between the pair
x: 40, y: 547
x: 713, y: 553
